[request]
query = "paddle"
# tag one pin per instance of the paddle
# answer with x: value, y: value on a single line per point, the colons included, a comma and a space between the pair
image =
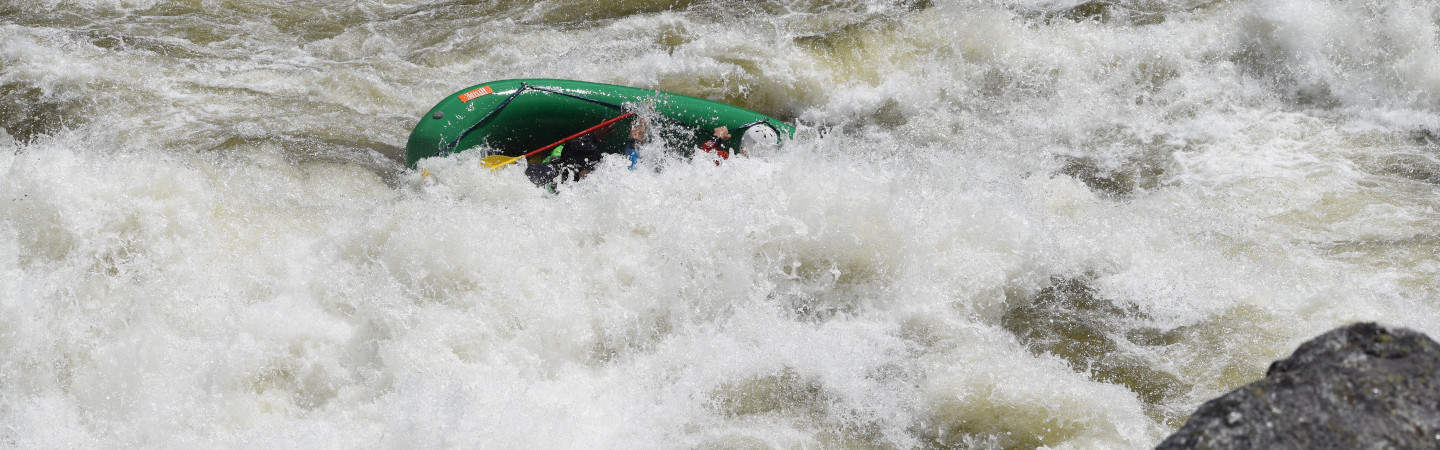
x: 495, y: 162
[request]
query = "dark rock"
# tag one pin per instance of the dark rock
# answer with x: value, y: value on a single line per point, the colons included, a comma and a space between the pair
x: 1359, y: 386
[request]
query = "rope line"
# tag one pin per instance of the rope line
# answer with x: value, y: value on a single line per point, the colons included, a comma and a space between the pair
x: 578, y: 97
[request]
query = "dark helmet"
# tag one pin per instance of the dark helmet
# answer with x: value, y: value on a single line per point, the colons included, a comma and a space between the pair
x: 584, y: 149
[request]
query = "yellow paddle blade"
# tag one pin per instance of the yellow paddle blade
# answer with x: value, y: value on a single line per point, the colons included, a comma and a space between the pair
x: 494, y: 162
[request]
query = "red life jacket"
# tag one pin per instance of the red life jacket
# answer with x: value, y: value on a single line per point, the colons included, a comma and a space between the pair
x: 713, y: 146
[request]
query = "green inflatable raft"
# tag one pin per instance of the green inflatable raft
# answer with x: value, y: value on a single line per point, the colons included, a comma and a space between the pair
x: 512, y: 117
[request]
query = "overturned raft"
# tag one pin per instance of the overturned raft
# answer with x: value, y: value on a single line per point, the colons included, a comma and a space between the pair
x: 512, y: 117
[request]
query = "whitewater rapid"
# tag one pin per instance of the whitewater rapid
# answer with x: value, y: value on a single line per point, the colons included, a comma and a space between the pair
x: 1002, y: 224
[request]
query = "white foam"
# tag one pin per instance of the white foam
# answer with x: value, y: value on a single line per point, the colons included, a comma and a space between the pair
x: 217, y: 253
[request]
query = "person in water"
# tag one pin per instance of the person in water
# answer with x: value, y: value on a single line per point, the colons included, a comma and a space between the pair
x: 570, y: 161
x: 575, y: 159
x: 757, y: 136
x: 713, y: 145
x: 638, y: 135
x: 716, y: 143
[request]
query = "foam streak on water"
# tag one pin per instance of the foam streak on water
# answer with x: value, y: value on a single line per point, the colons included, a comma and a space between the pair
x: 1002, y: 224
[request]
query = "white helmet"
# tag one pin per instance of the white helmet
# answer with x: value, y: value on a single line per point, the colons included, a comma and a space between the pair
x: 759, y: 138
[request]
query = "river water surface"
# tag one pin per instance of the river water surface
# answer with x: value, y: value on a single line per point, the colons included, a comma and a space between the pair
x: 1006, y: 223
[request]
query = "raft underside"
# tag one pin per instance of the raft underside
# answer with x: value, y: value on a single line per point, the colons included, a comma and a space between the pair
x: 547, y: 110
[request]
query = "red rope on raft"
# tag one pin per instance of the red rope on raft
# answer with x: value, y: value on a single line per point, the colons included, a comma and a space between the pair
x: 582, y: 133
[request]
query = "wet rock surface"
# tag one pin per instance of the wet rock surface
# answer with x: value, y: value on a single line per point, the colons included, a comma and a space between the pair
x: 1359, y: 386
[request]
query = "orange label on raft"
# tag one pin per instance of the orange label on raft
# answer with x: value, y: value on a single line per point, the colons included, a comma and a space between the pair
x: 477, y: 93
